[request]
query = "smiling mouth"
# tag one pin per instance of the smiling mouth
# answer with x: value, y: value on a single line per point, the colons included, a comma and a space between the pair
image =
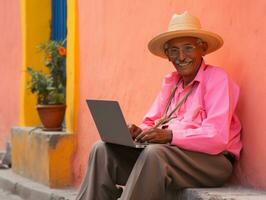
x: 182, y: 65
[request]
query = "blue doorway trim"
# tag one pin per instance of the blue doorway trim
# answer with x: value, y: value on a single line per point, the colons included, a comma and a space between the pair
x: 59, y: 17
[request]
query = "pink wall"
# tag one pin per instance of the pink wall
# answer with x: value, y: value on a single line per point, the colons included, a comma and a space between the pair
x: 115, y: 64
x: 10, y: 56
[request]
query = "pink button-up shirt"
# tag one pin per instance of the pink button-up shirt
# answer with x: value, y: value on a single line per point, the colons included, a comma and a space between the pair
x: 206, y: 122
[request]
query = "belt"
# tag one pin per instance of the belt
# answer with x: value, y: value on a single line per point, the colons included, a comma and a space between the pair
x: 229, y: 156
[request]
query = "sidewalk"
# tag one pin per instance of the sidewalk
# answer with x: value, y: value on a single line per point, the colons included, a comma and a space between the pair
x: 5, y: 195
x: 30, y: 190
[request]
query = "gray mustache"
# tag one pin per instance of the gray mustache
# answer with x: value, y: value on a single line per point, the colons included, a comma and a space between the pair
x: 186, y: 61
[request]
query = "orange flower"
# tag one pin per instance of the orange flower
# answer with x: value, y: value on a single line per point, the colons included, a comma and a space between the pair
x: 49, y: 57
x: 62, y: 51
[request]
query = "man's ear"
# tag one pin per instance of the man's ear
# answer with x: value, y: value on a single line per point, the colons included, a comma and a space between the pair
x: 165, y: 47
x: 204, y: 47
x: 167, y: 56
x: 166, y: 53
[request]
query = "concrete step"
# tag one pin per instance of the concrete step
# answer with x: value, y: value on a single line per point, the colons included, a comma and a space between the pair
x: 30, y: 190
x: 223, y: 193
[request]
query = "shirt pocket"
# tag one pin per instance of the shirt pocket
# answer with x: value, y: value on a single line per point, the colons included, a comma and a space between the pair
x: 196, y: 115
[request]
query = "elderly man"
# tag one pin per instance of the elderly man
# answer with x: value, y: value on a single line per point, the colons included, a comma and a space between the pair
x: 192, y: 125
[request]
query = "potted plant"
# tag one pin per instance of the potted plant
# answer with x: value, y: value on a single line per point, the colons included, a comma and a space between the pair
x: 50, y: 86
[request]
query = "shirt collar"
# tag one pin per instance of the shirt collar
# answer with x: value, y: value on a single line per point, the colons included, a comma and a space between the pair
x: 199, y: 75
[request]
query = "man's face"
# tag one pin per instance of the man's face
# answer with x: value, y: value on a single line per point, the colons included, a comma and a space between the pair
x: 186, y: 53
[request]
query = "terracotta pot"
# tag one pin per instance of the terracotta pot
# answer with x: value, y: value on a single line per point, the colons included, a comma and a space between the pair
x: 51, y: 116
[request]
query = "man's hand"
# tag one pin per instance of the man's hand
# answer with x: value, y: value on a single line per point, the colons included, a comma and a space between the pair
x: 155, y: 135
x: 134, y: 130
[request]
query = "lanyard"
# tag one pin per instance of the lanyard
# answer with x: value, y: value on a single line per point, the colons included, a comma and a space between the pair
x: 167, y: 117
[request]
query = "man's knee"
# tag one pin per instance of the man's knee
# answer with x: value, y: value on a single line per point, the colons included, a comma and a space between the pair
x: 98, y: 148
x: 98, y: 145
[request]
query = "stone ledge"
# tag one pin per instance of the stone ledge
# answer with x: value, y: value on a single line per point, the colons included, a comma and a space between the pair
x: 223, y: 193
x: 43, y: 156
x: 30, y: 190
x: 51, y: 136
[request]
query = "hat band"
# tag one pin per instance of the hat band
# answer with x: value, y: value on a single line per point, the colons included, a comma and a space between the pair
x: 179, y: 27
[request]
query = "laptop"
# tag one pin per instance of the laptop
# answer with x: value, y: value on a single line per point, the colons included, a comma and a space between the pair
x: 111, y: 123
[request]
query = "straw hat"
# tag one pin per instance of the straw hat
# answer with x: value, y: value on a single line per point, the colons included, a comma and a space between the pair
x: 184, y: 25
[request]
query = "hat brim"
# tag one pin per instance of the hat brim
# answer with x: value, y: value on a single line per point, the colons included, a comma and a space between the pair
x: 156, y: 45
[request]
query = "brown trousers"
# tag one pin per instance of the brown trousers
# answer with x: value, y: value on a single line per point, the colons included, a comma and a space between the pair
x: 153, y: 173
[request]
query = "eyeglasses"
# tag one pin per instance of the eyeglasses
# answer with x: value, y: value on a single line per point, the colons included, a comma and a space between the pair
x: 175, y: 51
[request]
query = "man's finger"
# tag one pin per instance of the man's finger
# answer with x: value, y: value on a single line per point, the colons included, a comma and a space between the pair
x: 155, y: 140
x: 148, y: 137
x: 136, y: 133
x: 142, y: 134
x: 132, y: 128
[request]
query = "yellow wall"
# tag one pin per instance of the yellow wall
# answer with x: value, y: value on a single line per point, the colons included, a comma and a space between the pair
x: 35, y: 16
x: 72, y: 66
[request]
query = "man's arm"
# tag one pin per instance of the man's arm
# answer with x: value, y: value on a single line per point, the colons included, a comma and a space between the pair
x: 156, y: 135
x: 212, y: 136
